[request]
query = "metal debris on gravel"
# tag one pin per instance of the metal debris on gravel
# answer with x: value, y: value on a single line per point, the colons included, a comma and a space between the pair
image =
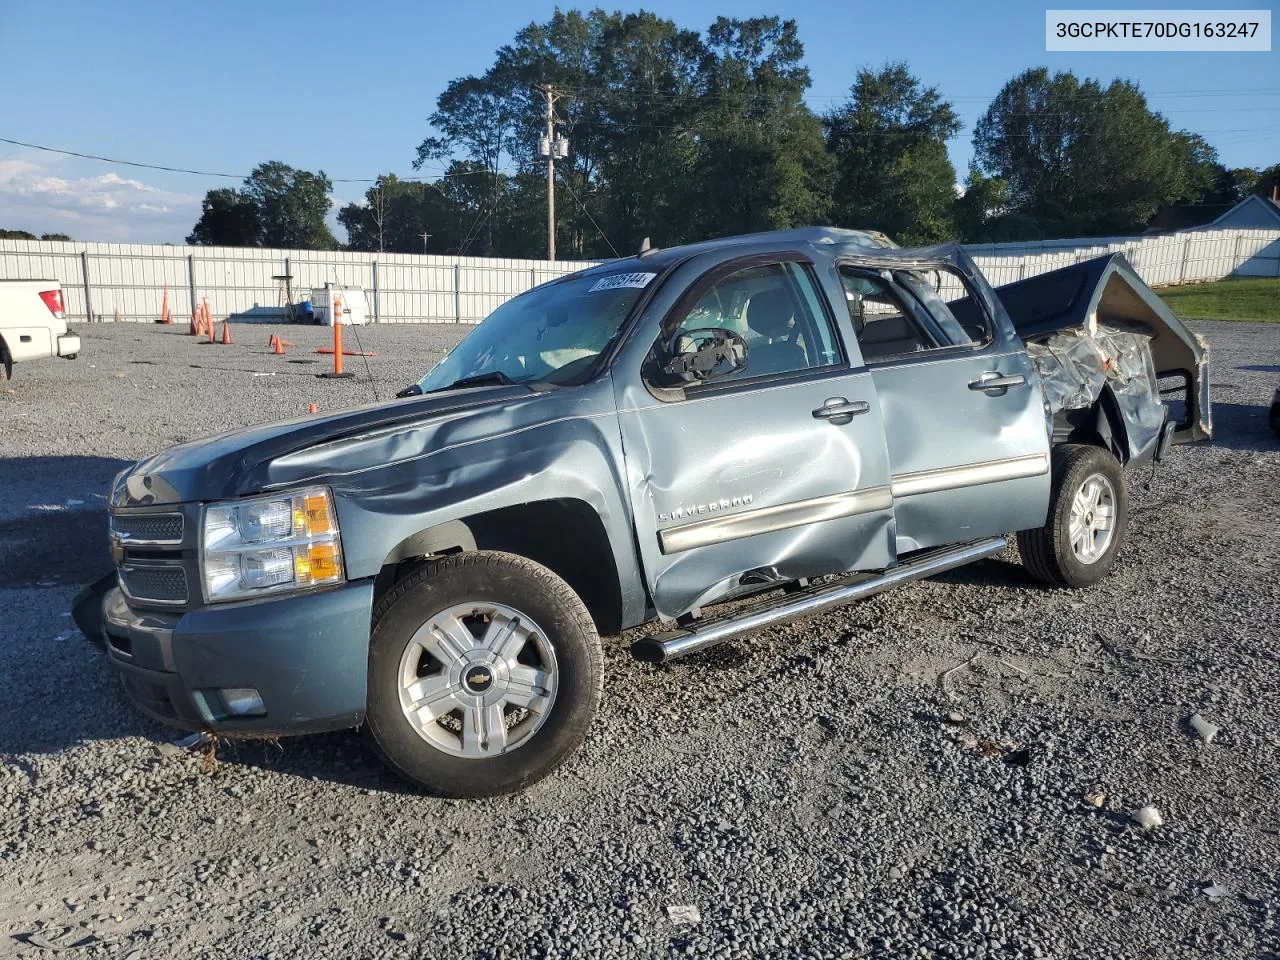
x: 1205, y: 730
x: 1148, y: 818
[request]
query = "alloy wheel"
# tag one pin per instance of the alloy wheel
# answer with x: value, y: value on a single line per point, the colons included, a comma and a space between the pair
x: 478, y: 680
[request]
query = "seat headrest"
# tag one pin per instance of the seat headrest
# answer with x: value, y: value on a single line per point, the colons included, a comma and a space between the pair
x: 769, y: 313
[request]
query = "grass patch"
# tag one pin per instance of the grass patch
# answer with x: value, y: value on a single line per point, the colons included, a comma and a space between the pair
x: 1236, y: 298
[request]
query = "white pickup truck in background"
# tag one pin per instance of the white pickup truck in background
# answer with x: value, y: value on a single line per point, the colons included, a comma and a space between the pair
x: 33, y: 323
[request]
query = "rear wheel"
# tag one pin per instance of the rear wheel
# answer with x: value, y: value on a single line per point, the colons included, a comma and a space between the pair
x: 484, y: 674
x: 1088, y: 519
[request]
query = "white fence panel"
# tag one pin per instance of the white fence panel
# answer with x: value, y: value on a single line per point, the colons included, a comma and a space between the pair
x: 103, y: 280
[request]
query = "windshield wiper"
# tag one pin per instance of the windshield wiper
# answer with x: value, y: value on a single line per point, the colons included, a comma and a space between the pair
x: 495, y: 378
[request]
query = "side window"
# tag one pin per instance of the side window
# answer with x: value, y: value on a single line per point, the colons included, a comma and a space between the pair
x: 885, y: 326
x: 907, y: 314
x: 951, y: 305
x: 776, y: 309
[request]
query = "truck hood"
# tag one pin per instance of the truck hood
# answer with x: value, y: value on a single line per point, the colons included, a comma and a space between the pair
x: 268, y: 456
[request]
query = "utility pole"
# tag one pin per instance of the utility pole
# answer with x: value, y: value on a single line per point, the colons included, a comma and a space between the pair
x: 549, y: 92
x: 551, y: 147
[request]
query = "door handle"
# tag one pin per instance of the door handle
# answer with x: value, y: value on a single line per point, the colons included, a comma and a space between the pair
x: 838, y: 410
x: 994, y: 380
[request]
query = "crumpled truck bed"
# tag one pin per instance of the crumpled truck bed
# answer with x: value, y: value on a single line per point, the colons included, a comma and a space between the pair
x: 1096, y: 327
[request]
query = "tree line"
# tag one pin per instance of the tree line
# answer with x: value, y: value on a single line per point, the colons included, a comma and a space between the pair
x: 680, y: 136
x: 28, y: 235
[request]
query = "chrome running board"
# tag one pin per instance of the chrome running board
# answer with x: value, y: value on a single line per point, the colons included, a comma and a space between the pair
x: 699, y: 635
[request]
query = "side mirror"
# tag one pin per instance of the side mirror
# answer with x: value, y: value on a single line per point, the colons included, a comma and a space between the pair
x: 709, y: 353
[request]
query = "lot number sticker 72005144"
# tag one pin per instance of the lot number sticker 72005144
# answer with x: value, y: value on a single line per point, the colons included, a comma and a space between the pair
x: 620, y: 280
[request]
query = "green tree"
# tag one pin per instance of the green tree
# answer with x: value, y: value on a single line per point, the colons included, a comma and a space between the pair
x: 228, y: 218
x: 1263, y: 182
x: 981, y: 212
x: 1083, y: 159
x: 292, y: 205
x: 761, y: 160
x: 1244, y: 179
x: 395, y: 215
x: 278, y: 206
x: 474, y: 117
x: 890, y: 147
x: 17, y: 235
x: 674, y: 136
x: 642, y: 115
x: 627, y: 96
x: 55, y: 236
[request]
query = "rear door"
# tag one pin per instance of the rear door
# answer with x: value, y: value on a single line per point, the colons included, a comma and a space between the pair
x: 777, y: 472
x: 967, y: 436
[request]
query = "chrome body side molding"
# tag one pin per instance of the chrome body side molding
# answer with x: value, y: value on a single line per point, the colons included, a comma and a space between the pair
x: 970, y: 475
x: 768, y: 519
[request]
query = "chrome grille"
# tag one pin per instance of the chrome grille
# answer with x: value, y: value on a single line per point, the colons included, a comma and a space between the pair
x: 148, y: 528
x: 154, y: 583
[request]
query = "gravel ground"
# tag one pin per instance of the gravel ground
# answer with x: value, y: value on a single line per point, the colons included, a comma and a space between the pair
x: 905, y: 778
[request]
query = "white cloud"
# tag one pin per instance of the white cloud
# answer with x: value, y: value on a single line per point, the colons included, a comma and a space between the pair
x: 41, y: 196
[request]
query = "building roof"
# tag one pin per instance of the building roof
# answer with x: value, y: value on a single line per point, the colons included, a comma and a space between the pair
x: 1266, y: 205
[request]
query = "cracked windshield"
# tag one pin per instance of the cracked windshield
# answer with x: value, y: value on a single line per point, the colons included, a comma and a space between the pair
x: 552, y: 334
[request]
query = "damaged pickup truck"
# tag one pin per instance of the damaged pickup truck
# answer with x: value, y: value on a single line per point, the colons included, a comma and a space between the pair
x: 792, y: 420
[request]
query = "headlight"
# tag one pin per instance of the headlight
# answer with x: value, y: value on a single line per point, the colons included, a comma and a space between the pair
x: 270, y: 544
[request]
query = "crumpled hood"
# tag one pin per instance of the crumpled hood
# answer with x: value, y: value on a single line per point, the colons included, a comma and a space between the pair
x: 270, y: 455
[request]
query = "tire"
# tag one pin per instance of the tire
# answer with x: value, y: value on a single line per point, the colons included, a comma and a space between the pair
x: 1049, y: 553
x: 533, y: 671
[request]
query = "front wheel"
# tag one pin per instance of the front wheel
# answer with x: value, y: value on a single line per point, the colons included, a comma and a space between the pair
x: 1088, y: 519
x: 485, y: 672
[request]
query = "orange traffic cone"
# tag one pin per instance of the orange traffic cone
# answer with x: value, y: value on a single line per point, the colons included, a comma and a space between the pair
x: 277, y: 346
x: 313, y: 408
x: 208, y: 320
x: 193, y: 329
x: 226, y: 332
x: 166, y: 316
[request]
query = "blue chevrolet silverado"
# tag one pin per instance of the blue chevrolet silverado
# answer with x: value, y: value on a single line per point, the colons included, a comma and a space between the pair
x: 792, y: 420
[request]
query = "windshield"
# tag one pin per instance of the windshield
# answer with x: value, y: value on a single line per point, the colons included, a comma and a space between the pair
x: 552, y: 334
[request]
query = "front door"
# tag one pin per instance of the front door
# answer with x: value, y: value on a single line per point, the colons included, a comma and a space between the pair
x: 968, y: 442
x: 773, y: 473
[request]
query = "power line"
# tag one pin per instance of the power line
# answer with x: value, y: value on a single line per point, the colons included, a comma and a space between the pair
x: 473, y: 231
x: 123, y: 163
x: 444, y: 174
x: 609, y: 125
x: 565, y: 181
x: 596, y: 93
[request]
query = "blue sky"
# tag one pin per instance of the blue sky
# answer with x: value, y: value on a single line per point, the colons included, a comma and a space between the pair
x: 347, y: 87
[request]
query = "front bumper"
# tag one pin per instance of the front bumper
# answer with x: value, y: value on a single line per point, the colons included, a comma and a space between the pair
x: 69, y: 345
x: 307, y: 656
